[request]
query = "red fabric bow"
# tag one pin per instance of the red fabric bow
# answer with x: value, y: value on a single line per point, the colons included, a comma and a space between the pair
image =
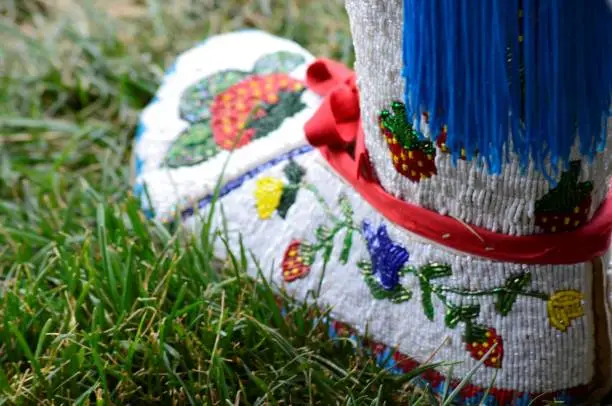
x: 337, y: 125
x: 336, y: 131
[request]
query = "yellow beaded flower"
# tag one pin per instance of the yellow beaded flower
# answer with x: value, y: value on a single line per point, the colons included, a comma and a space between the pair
x: 268, y: 192
x: 563, y: 307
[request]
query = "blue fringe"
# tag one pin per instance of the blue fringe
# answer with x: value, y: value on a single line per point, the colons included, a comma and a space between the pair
x: 465, y: 65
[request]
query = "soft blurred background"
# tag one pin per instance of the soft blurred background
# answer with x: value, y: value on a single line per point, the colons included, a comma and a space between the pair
x: 99, y: 305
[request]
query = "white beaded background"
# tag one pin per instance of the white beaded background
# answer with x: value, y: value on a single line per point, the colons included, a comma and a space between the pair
x: 537, y: 357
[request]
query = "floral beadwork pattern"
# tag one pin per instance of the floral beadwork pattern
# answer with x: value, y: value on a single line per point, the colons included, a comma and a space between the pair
x: 480, y: 340
x: 412, y: 157
x: 273, y: 195
x: 387, y: 259
x: 324, y: 244
x: 563, y: 307
x: 253, y: 108
x: 268, y: 194
x: 390, y: 276
x: 567, y: 206
x: 229, y: 109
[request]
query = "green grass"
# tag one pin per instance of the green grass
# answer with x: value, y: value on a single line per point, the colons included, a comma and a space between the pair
x: 99, y: 305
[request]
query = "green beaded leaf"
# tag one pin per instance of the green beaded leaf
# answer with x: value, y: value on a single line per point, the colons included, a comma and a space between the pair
x: 435, y: 270
x: 396, y: 122
x: 288, y: 105
x: 346, y: 246
x: 507, y: 297
x: 323, y: 233
x: 307, y: 253
x: 365, y: 266
x: 193, y: 146
x: 398, y: 294
x: 294, y: 172
x: 346, y: 208
x: 278, y: 62
x: 325, y: 242
x: 428, y: 307
x: 195, y: 102
x: 328, y: 248
x: 568, y: 194
x: 457, y: 314
x: 287, y: 200
x: 475, y: 332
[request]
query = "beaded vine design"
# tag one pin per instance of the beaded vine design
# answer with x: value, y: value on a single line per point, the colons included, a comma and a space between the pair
x: 565, y: 207
x: 388, y: 264
x: 300, y: 255
x: 387, y: 273
x: 229, y: 109
x: 393, y: 360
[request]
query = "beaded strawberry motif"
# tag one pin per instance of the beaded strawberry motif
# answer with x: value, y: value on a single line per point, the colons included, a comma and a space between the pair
x: 412, y: 157
x: 389, y: 276
x: 567, y: 206
x: 486, y: 342
x: 229, y: 109
x: 325, y: 236
x: 253, y: 108
x: 296, y: 261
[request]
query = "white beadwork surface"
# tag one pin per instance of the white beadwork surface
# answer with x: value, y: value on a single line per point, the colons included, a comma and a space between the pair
x: 537, y: 356
x: 503, y: 203
x: 177, y: 188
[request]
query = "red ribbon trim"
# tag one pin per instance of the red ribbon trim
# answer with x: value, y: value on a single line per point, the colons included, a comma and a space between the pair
x: 336, y: 131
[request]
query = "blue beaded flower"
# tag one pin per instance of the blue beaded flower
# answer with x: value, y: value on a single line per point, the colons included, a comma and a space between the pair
x: 387, y: 257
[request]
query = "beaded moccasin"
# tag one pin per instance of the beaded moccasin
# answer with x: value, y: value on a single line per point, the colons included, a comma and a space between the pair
x: 396, y: 223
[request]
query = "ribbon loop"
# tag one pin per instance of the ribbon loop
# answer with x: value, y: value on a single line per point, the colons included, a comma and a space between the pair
x: 323, y: 75
x: 336, y: 124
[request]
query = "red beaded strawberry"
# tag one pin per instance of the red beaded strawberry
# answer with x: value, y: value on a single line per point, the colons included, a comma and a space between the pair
x: 480, y: 341
x: 567, y: 206
x: 412, y: 157
x: 296, y: 261
x: 253, y: 108
x: 229, y: 109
